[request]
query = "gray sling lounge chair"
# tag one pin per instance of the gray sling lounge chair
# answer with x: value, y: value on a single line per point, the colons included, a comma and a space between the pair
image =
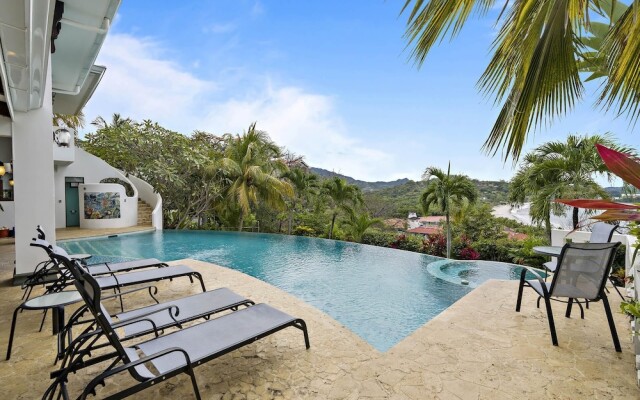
x: 115, y: 280
x: 582, y: 272
x: 178, y: 352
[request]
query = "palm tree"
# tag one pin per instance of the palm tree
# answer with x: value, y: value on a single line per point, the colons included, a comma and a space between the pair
x: 251, y: 166
x: 446, y: 190
x: 359, y: 223
x: 344, y: 197
x: 304, y: 185
x: 73, y: 121
x: 562, y: 170
x: 534, y: 71
x: 116, y: 122
x: 537, y: 188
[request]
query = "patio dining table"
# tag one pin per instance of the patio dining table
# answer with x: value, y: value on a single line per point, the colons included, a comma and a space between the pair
x: 553, y: 251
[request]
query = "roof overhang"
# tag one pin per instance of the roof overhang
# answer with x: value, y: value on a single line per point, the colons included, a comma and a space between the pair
x: 25, y: 43
x: 84, y: 27
x: 72, y: 104
x: 25, y: 37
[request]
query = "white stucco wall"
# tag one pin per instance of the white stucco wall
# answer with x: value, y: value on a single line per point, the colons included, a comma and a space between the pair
x: 128, y: 207
x: 93, y: 170
x: 147, y: 194
x: 33, y: 175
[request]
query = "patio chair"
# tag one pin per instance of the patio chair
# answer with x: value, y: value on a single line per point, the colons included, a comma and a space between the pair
x: 582, y: 272
x: 175, y: 353
x: 601, y: 232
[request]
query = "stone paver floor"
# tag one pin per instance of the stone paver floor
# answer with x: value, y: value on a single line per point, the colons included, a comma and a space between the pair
x: 478, y: 348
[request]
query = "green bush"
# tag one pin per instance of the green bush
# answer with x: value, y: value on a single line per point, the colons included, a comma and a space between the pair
x: 377, y: 237
x: 127, y: 187
x: 302, y: 230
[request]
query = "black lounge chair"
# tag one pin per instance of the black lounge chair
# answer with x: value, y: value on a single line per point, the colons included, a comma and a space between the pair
x: 113, y: 279
x: 582, y: 272
x: 47, y: 272
x: 152, y: 319
x: 116, y: 281
x: 178, y: 352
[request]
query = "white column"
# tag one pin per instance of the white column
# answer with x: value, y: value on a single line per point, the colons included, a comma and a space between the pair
x: 33, y: 176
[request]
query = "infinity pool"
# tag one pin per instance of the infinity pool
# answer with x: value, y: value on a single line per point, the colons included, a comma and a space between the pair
x: 381, y: 294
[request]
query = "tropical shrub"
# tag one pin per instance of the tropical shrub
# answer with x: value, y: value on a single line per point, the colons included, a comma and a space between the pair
x: 302, y: 230
x: 127, y: 187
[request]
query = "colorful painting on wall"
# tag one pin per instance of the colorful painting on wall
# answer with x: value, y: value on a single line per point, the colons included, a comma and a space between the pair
x: 101, y: 205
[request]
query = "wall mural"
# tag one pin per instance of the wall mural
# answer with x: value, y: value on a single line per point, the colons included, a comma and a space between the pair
x: 101, y: 205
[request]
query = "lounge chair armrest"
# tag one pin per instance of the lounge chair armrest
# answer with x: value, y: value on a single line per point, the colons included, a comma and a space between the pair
x: 136, y: 320
x: 149, y: 287
x: 156, y: 311
x: 90, y: 388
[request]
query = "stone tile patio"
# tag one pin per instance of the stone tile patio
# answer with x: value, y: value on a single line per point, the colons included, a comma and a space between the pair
x: 478, y: 348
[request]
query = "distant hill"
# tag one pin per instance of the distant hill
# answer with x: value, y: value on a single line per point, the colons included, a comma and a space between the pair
x: 614, y: 191
x: 365, y: 186
x: 400, y: 200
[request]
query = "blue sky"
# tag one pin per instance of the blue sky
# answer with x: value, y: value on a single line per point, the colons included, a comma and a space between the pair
x: 330, y: 80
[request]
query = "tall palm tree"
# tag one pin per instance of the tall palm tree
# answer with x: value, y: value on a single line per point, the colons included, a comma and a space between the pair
x: 251, y: 166
x: 304, y: 185
x: 534, y: 71
x: 566, y: 169
x: 343, y: 195
x: 446, y: 190
x: 537, y: 188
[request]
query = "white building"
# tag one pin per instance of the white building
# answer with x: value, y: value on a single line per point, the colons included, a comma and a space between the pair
x: 47, y: 54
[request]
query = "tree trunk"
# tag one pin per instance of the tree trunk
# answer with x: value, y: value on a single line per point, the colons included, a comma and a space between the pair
x: 241, y: 222
x: 575, y: 218
x: 333, y: 221
x: 448, y: 237
x: 547, y: 226
x: 290, y: 221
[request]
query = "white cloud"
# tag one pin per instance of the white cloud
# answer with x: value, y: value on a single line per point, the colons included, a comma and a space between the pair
x: 142, y: 83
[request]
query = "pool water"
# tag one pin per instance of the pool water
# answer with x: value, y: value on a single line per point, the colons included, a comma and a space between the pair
x: 381, y: 294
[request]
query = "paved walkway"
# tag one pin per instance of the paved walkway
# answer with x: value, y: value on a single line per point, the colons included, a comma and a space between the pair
x: 478, y: 348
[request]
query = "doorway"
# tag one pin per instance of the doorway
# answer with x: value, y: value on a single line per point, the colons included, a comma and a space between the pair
x: 72, y: 200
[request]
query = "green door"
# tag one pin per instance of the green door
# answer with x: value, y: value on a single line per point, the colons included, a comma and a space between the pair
x: 73, y: 203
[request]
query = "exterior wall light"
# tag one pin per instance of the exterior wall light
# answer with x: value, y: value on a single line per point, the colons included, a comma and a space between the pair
x: 62, y: 137
x: 11, y: 182
x: 2, y: 169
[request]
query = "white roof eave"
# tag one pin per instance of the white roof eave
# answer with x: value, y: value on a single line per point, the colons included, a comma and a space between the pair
x: 80, y: 40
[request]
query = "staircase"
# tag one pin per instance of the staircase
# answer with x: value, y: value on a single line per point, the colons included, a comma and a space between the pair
x: 144, y: 213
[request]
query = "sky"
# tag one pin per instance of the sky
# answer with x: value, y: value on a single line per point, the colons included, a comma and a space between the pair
x: 331, y: 80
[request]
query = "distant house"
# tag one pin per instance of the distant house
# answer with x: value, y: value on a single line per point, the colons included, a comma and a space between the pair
x: 413, y: 221
x: 426, y: 230
x: 398, y: 224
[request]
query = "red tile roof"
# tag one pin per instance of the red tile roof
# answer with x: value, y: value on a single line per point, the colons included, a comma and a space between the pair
x: 426, y: 230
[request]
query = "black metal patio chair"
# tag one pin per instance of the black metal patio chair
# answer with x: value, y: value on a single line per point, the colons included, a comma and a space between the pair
x: 582, y: 272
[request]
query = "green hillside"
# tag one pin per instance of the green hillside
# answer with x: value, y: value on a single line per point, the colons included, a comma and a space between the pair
x: 400, y: 200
